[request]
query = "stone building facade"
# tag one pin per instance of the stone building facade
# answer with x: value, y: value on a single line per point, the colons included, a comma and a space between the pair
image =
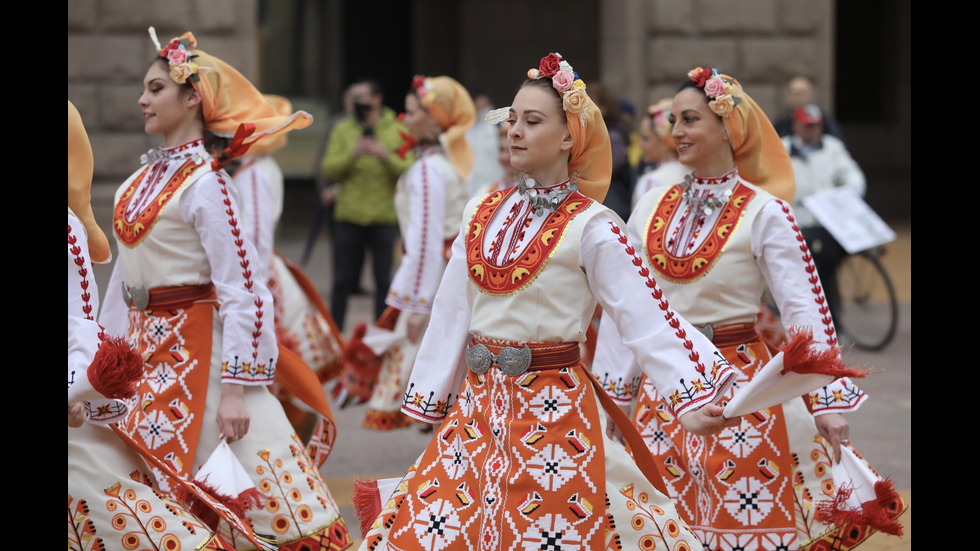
x: 640, y: 49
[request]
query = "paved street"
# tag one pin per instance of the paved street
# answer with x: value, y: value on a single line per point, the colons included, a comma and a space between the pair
x: 881, y: 429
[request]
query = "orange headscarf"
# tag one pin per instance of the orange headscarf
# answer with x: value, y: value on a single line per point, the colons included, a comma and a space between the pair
x: 452, y: 107
x: 591, y: 154
x: 272, y: 144
x: 80, y: 167
x: 228, y: 99
x: 760, y: 155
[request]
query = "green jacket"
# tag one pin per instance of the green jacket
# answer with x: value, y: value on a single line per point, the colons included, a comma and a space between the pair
x: 367, y: 184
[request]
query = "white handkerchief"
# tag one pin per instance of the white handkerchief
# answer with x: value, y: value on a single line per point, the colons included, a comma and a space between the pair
x: 223, y: 472
x: 770, y: 387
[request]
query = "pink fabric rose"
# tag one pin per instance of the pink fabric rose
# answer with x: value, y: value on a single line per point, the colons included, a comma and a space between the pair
x: 715, y: 87
x: 563, y: 80
x: 177, y: 55
x: 549, y: 65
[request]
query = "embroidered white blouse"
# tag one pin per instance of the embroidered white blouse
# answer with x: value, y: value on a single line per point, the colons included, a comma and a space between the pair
x: 592, y: 262
x: 765, y: 248
x: 195, y: 238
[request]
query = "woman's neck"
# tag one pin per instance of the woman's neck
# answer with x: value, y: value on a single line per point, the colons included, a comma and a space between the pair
x: 187, y: 133
x: 713, y: 171
x: 551, y: 177
x: 718, y: 165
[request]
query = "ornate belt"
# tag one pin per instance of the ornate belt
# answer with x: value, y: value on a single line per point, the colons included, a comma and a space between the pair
x: 516, y: 358
x: 732, y: 333
x: 166, y: 298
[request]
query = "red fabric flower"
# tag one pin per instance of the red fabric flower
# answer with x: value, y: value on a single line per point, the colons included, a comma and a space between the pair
x: 549, y: 65
x: 702, y: 77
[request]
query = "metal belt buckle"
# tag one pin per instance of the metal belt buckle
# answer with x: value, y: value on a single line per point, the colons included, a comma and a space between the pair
x: 514, y: 361
x: 137, y: 295
x: 511, y: 361
x: 479, y: 358
x: 707, y: 331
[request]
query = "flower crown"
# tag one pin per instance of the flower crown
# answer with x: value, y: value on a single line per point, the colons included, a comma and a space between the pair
x: 565, y: 80
x: 718, y: 88
x: 178, y: 55
x: 659, y: 115
x: 423, y: 91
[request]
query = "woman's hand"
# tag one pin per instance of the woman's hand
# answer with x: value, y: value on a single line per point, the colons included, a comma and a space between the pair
x: 233, y: 418
x: 612, y: 429
x: 707, y: 420
x: 834, y: 429
x: 416, y: 326
x: 76, y: 414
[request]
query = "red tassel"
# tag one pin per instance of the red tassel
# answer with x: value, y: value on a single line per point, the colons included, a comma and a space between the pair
x: 237, y: 148
x: 367, y: 503
x: 880, y: 514
x: 116, y: 369
x: 799, y: 357
x: 408, y: 144
x: 247, y: 500
x: 361, y: 366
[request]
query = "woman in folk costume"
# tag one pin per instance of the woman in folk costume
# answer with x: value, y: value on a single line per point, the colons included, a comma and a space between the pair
x: 303, y: 323
x: 658, y: 151
x: 429, y: 200
x: 521, y: 459
x: 111, y: 498
x: 714, y: 240
x: 185, y: 290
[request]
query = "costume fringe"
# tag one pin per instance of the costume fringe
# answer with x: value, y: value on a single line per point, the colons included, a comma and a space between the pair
x: 249, y: 499
x: 876, y: 513
x: 799, y: 357
x: 116, y: 369
x: 367, y: 503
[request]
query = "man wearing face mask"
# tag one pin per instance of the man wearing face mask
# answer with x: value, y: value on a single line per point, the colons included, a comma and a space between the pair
x: 362, y: 155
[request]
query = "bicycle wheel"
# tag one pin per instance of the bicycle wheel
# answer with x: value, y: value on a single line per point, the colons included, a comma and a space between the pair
x: 868, y: 311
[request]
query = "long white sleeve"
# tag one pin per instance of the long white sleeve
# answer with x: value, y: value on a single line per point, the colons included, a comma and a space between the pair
x: 789, y: 271
x: 249, y: 348
x: 415, y: 283
x: 681, y: 362
x: 439, y: 367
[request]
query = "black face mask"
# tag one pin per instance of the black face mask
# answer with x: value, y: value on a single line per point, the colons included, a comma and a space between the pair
x: 361, y: 111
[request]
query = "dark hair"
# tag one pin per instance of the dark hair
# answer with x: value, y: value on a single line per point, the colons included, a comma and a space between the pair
x: 691, y: 84
x: 545, y: 82
x: 373, y: 85
x: 694, y: 85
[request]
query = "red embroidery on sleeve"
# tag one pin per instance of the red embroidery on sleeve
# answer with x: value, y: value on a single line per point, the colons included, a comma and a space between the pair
x: 815, y: 287
x: 658, y: 295
x: 239, y: 241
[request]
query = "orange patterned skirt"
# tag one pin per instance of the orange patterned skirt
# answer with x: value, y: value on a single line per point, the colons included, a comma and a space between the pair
x: 750, y: 487
x: 522, y: 462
